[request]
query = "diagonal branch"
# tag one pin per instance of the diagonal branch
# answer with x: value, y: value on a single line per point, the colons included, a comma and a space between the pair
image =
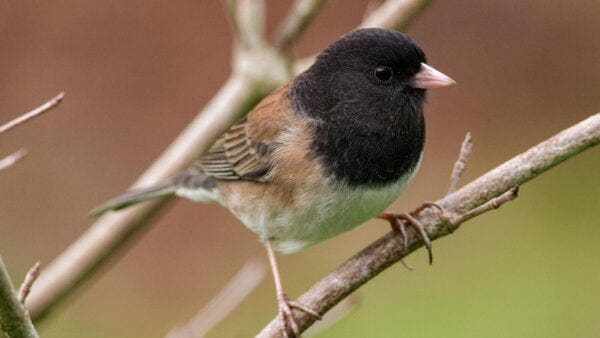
x: 495, y: 188
x: 244, y: 281
x: 395, y: 14
x: 248, y: 21
x: 392, y: 14
x: 296, y: 22
x: 14, y: 319
x: 53, y: 102
x: 19, y: 154
x: 13, y: 158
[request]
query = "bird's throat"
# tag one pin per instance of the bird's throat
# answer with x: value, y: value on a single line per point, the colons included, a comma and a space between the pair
x: 373, y: 158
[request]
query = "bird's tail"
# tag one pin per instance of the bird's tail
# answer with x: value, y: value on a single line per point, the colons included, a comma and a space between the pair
x: 135, y: 196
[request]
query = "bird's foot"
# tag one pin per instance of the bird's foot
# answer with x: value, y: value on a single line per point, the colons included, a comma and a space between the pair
x: 398, y: 221
x: 445, y: 216
x: 286, y: 315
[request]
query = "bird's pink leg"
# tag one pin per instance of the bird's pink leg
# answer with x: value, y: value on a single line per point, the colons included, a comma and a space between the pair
x: 285, y: 305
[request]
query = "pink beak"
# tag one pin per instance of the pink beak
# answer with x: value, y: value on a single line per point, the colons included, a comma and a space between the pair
x: 429, y: 78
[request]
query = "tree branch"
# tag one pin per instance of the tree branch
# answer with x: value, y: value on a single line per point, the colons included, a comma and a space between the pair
x: 461, y: 163
x: 53, y: 102
x: 246, y: 280
x: 248, y: 21
x: 30, y: 277
x: 495, y: 187
x: 395, y: 14
x: 300, y: 16
x: 14, y: 319
x: 13, y: 158
x: 392, y: 14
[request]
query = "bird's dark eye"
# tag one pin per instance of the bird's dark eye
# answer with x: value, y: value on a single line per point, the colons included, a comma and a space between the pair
x: 383, y: 73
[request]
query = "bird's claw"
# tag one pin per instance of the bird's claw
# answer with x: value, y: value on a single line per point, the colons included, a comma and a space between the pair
x: 398, y: 220
x: 442, y: 214
x: 287, y: 317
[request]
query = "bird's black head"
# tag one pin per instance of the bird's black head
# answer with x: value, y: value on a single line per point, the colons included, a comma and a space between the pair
x: 366, y: 93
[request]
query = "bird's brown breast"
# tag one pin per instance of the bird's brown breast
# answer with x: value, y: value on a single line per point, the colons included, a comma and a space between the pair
x: 292, y: 171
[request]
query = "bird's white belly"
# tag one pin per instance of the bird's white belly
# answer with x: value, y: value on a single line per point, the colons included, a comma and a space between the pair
x: 322, y: 211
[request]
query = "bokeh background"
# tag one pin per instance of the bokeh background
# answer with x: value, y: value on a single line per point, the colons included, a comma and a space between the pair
x: 135, y: 72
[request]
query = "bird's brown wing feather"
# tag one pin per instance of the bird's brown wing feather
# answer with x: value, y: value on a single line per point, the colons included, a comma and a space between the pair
x: 243, y: 152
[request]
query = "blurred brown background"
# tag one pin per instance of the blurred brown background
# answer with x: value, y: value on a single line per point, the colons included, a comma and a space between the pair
x: 135, y: 72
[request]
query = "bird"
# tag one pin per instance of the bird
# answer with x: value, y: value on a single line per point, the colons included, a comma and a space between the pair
x: 327, y: 151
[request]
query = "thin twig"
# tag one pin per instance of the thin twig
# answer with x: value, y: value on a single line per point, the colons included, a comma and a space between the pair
x: 53, y: 102
x: 392, y: 14
x: 461, y: 163
x: 236, y: 290
x: 371, y: 6
x: 395, y: 14
x: 386, y: 251
x: 30, y: 277
x: 298, y: 19
x: 248, y: 20
x: 14, y: 319
x: 12, y: 158
x: 231, y: 10
x: 492, y: 204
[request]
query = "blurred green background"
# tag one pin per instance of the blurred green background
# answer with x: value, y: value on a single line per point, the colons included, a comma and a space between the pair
x: 136, y: 72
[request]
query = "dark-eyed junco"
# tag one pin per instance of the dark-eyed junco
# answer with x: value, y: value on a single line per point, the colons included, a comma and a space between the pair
x: 326, y: 152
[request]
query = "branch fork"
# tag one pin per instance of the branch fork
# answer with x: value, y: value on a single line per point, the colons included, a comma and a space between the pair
x: 14, y: 318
